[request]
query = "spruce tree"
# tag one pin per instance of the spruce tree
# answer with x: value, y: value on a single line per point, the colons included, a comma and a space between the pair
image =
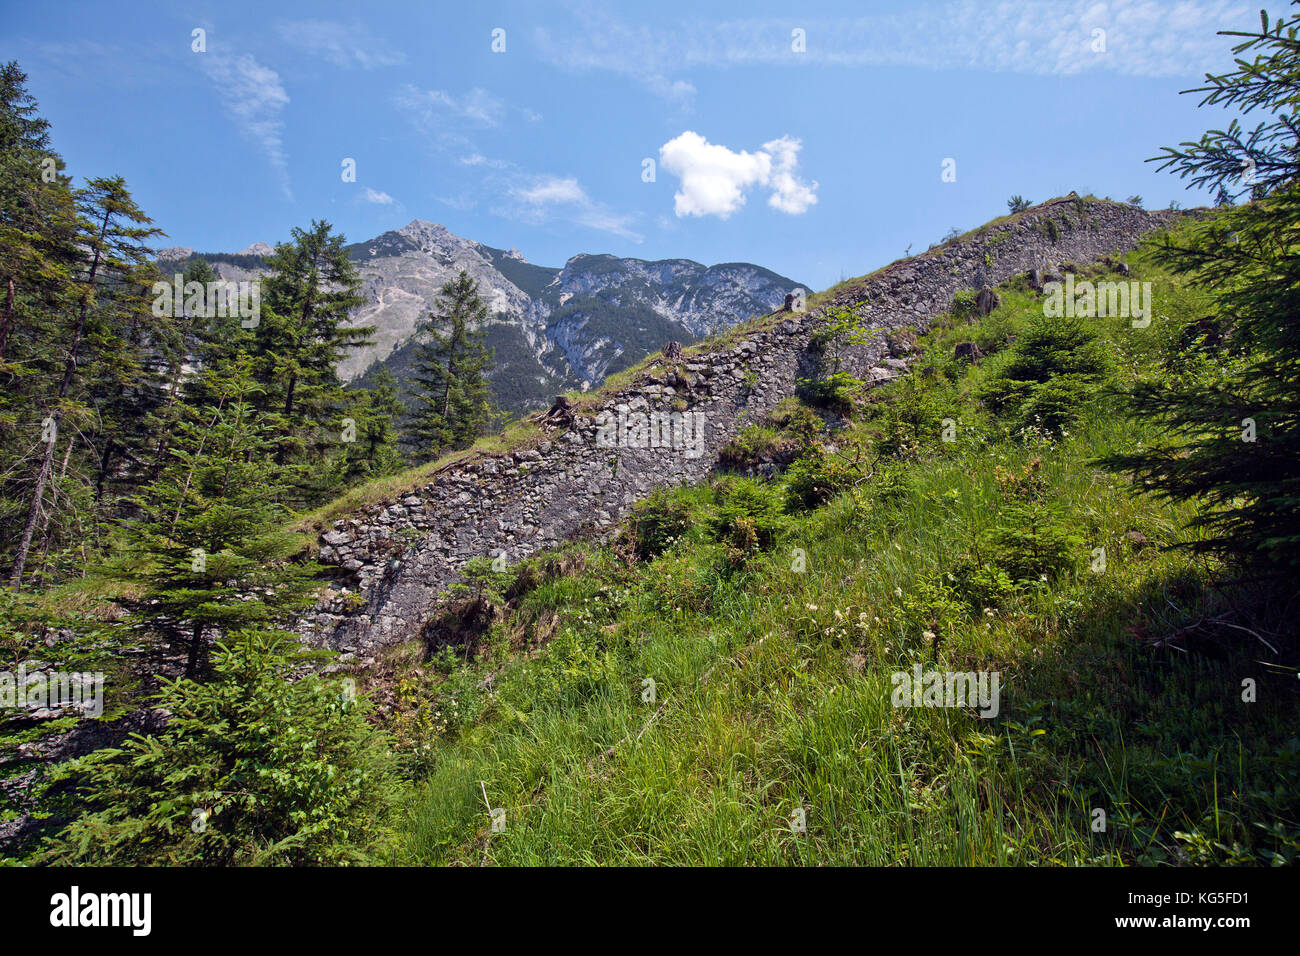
x: 1229, y: 404
x: 452, y: 364
x: 302, y: 336
x: 374, y: 413
x: 210, y: 539
x: 38, y: 254
x: 261, y: 766
x: 109, y: 298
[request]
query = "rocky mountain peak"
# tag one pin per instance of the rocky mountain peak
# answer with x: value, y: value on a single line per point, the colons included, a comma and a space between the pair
x: 551, y: 329
x: 418, y: 229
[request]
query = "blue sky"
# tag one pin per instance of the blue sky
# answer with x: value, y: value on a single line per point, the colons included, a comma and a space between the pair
x: 817, y: 163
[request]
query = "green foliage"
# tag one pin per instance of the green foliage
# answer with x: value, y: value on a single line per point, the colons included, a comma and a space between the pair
x: 910, y: 421
x: 658, y: 521
x: 1033, y: 545
x: 452, y: 366
x: 209, y: 539
x: 982, y: 584
x: 928, y: 612
x: 430, y: 709
x: 302, y: 334
x: 835, y: 391
x: 963, y: 303
x: 485, y: 581
x: 81, y: 354
x: 374, y: 413
x: 749, y: 446
x: 814, y: 479
x: 574, y: 669
x: 1045, y: 379
x: 830, y: 385
x: 747, y: 514
x: 1031, y: 541
x: 1018, y: 204
x: 257, y: 767
x: 1230, y: 427
x: 795, y: 419
x: 786, y: 431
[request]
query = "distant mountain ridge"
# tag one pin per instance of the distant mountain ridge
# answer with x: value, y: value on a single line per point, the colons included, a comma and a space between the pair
x: 553, y: 329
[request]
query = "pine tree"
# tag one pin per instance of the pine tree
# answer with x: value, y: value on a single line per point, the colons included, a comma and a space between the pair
x: 37, y: 216
x: 451, y: 371
x: 110, y: 293
x: 210, y: 532
x: 374, y: 412
x: 301, y: 338
x: 1230, y: 410
x: 260, y: 766
x: 38, y: 253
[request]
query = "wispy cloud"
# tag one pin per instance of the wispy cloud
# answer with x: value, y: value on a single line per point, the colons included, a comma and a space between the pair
x: 1140, y: 38
x: 254, y: 98
x: 646, y: 56
x: 552, y: 189
x: 540, y: 199
x: 478, y: 106
x: 343, y: 45
x: 377, y: 197
x: 478, y: 159
x: 451, y: 122
x: 716, y: 179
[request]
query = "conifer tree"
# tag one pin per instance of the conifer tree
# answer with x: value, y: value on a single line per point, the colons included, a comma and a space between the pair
x: 1229, y: 403
x: 37, y: 213
x: 374, y: 412
x: 261, y: 766
x: 452, y: 364
x: 210, y: 532
x: 110, y: 293
x: 303, y: 335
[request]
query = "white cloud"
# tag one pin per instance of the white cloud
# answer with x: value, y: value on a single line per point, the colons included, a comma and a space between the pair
x: 255, y: 99
x: 377, y: 197
x: 715, y: 179
x: 552, y: 189
x: 541, y: 198
x: 790, y: 194
x: 637, y: 52
x: 478, y: 159
x: 1142, y: 38
x: 478, y: 106
x: 341, y: 44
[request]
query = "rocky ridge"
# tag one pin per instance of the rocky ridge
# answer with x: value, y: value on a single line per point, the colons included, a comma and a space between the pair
x: 395, y: 561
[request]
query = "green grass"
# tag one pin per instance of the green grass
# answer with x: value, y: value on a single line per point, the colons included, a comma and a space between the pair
x: 525, y: 434
x: 773, y: 685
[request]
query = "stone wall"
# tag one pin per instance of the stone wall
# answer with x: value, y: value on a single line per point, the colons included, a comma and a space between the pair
x: 396, y: 560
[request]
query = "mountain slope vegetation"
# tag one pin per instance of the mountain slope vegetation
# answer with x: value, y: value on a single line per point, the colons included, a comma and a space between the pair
x: 772, y: 631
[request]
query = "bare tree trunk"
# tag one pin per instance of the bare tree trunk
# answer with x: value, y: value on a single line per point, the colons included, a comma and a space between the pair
x: 196, y: 644
x: 8, y: 320
x: 54, y: 503
x: 33, y: 512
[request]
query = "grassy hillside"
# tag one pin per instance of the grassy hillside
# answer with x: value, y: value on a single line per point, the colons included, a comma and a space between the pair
x: 772, y: 616
x: 717, y: 684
